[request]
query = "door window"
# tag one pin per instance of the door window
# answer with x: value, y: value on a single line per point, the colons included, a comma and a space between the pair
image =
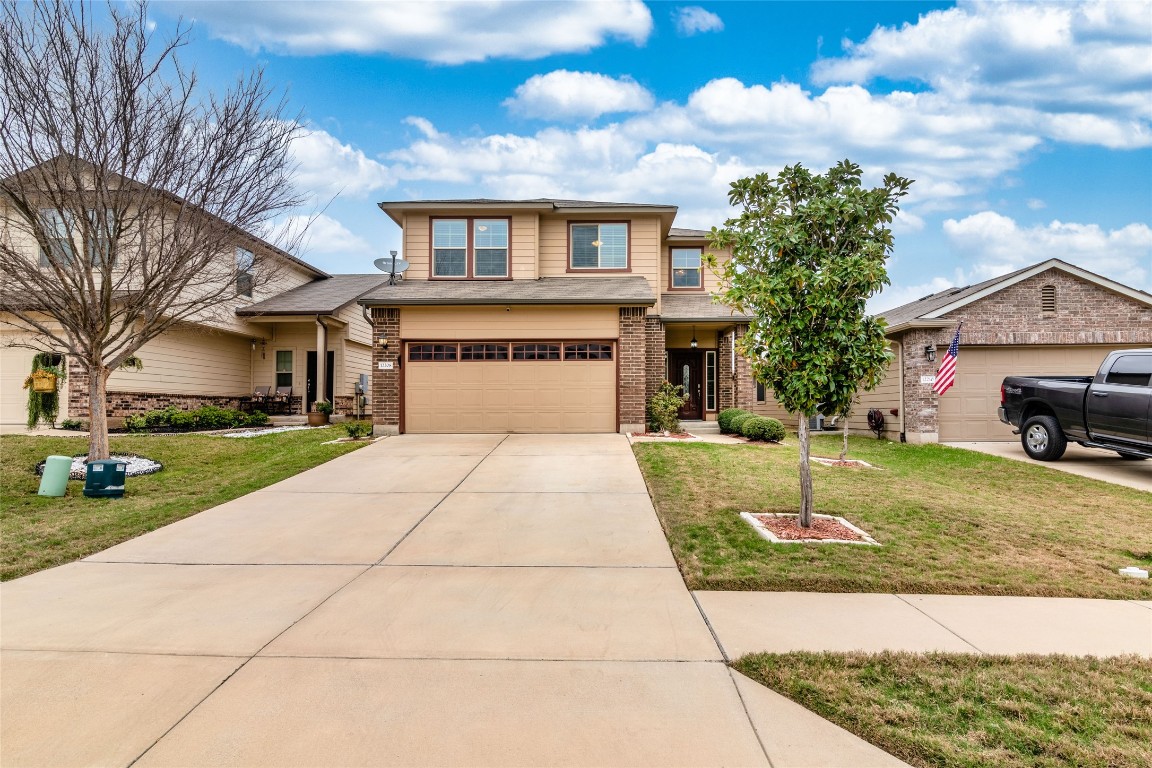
x: 1131, y: 370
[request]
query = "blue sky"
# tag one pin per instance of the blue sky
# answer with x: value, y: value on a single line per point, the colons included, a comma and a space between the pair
x: 1028, y: 127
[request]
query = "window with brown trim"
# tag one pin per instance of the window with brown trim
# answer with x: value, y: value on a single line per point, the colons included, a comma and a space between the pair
x: 587, y: 351
x: 470, y: 248
x: 535, y: 351
x: 598, y: 246
x: 433, y: 352
x: 483, y: 351
x: 687, y: 269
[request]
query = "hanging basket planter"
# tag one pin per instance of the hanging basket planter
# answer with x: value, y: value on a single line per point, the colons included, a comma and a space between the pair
x: 43, y: 381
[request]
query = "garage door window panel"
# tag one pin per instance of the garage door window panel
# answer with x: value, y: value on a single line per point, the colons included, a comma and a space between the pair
x: 587, y: 351
x: 601, y: 247
x: 437, y: 353
x: 483, y: 351
x: 536, y: 352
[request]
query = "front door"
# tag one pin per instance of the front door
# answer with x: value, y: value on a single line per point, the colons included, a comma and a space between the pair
x: 684, y: 370
x: 311, y: 388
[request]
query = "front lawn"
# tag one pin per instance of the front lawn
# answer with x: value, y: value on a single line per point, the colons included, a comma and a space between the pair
x: 968, y: 711
x: 199, y: 472
x: 950, y: 521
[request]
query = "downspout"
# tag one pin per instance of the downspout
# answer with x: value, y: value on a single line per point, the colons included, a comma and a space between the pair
x: 900, y: 350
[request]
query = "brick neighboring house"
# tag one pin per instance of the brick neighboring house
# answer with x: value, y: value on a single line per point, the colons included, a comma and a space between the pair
x: 547, y: 316
x: 1052, y: 318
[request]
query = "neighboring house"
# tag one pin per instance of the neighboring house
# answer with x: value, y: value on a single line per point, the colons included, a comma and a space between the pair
x: 1052, y: 318
x: 267, y: 337
x: 548, y: 316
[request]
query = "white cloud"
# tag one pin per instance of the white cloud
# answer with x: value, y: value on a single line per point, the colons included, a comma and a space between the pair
x: 997, y: 244
x: 1036, y: 204
x: 444, y: 32
x: 327, y: 168
x: 563, y: 94
x: 692, y: 20
x: 1082, y: 69
x: 324, y: 235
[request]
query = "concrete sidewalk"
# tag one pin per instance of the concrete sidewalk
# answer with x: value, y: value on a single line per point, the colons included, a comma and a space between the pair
x: 779, y: 622
x: 458, y: 600
x: 1094, y: 463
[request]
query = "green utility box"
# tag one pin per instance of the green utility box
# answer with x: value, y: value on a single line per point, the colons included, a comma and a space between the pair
x: 105, y: 478
x: 54, y: 480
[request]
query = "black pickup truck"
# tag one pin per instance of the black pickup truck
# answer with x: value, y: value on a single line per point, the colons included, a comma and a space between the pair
x: 1111, y: 410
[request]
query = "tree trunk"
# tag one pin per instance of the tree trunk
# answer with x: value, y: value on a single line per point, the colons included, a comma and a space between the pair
x: 805, y: 475
x: 97, y: 413
x: 844, y: 449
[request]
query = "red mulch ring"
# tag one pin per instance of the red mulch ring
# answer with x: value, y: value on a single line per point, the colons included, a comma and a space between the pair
x: 850, y: 463
x: 673, y: 435
x: 788, y: 528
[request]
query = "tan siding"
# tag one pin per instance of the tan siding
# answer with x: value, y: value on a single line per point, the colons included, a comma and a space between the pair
x: 299, y: 338
x: 357, y: 360
x: 416, y: 244
x: 515, y: 322
x: 357, y: 329
x: 774, y: 410
x: 645, y: 245
x: 15, y: 365
x: 522, y: 243
x: 885, y: 398
x: 190, y: 363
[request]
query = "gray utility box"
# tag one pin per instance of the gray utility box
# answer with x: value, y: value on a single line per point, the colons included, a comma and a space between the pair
x: 105, y: 478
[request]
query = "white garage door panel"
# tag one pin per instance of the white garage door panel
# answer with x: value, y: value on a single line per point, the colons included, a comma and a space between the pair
x: 968, y: 410
x: 510, y: 396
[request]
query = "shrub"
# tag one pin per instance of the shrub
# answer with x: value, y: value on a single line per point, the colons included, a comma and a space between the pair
x: 72, y: 424
x: 323, y: 406
x: 358, y: 429
x: 762, y: 428
x: 257, y: 419
x: 136, y: 422
x: 724, y: 419
x: 211, y: 417
x: 664, y: 407
x: 736, y: 423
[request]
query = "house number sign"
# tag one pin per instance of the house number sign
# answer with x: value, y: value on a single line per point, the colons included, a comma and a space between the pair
x: 385, y: 366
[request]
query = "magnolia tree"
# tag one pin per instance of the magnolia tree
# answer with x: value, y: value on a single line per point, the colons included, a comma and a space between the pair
x: 127, y: 197
x: 808, y: 250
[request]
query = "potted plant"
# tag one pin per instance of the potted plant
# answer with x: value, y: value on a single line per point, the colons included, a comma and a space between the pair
x: 319, y: 414
x: 43, y: 385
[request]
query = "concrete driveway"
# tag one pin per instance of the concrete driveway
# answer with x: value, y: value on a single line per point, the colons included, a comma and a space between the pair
x: 1087, y: 462
x: 457, y: 600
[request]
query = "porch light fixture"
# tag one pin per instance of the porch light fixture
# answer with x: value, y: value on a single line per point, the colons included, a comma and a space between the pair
x: 930, y: 353
x: 693, y: 343
x: 383, y: 342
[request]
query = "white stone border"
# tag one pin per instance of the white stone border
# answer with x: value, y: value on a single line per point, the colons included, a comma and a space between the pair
x: 836, y: 462
x: 767, y: 534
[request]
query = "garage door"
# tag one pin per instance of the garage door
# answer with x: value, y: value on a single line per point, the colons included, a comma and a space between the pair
x: 518, y: 386
x: 968, y: 410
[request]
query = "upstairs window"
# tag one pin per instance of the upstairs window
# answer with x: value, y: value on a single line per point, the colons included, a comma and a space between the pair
x: 687, y: 268
x: 99, y: 245
x: 470, y: 248
x: 599, y: 246
x: 58, y: 226
x: 244, y: 263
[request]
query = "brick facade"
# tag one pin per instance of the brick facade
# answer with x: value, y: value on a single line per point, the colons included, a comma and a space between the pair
x: 735, y: 387
x: 632, y: 354
x: 1085, y: 314
x: 655, y: 360
x: 385, y: 396
x: 121, y: 404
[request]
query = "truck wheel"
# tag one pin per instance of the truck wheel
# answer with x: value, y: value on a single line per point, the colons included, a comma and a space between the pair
x: 1043, y: 439
x: 1131, y: 456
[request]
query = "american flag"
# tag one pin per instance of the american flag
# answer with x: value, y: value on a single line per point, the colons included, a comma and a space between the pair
x: 946, y: 376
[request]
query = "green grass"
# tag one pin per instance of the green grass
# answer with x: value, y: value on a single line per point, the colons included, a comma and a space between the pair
x: 950, y: 521
x: 199, y: 472
x: 967, y: 711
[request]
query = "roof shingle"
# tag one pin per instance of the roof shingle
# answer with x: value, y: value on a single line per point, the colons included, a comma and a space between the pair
x: 700, y: 307
x: 546, y: 290
x: 320, y: 297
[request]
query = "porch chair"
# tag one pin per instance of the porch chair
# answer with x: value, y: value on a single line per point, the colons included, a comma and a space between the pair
x: 282, y: 400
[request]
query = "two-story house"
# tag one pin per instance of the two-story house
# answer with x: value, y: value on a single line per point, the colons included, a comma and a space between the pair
x: 548, y: 316
x: 268, y: 335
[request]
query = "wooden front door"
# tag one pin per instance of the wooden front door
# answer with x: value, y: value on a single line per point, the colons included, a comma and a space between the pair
x: 684, y: 370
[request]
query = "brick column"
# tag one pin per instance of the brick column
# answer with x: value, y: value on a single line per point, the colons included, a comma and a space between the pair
x: 724, y: 380
x: 921, y: 404
x: 743, y: 385
x: 386, y: 383
x: 656, y: 364
x: 632, y: 352
x: 77, y: 405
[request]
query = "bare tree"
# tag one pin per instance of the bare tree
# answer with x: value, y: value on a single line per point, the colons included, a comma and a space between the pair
x: 128, y: 197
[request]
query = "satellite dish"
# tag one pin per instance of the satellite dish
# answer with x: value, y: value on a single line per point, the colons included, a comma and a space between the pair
x: 392, y: 265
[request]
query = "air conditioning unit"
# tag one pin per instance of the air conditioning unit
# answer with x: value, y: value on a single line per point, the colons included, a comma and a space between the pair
x: 816, y: 423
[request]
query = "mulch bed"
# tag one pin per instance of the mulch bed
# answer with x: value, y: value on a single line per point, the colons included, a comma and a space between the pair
x: 671, y: 435
x: 822, y: 529
x: 849, y: 463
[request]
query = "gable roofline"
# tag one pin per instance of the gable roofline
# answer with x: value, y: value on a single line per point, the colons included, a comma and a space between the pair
x: 174, y: 198
x: 1013, y: 278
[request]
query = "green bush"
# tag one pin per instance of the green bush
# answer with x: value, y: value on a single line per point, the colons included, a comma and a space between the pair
x: 257, y: 419
x: 181, y: 420
x: 211, y: 417
x: 664, y: 408
x: 136, y: 422
x: 736, y: 423
x: 724, y: 419
x: 358, y: 429
x: 762, y: 428
x: 72, y: 424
